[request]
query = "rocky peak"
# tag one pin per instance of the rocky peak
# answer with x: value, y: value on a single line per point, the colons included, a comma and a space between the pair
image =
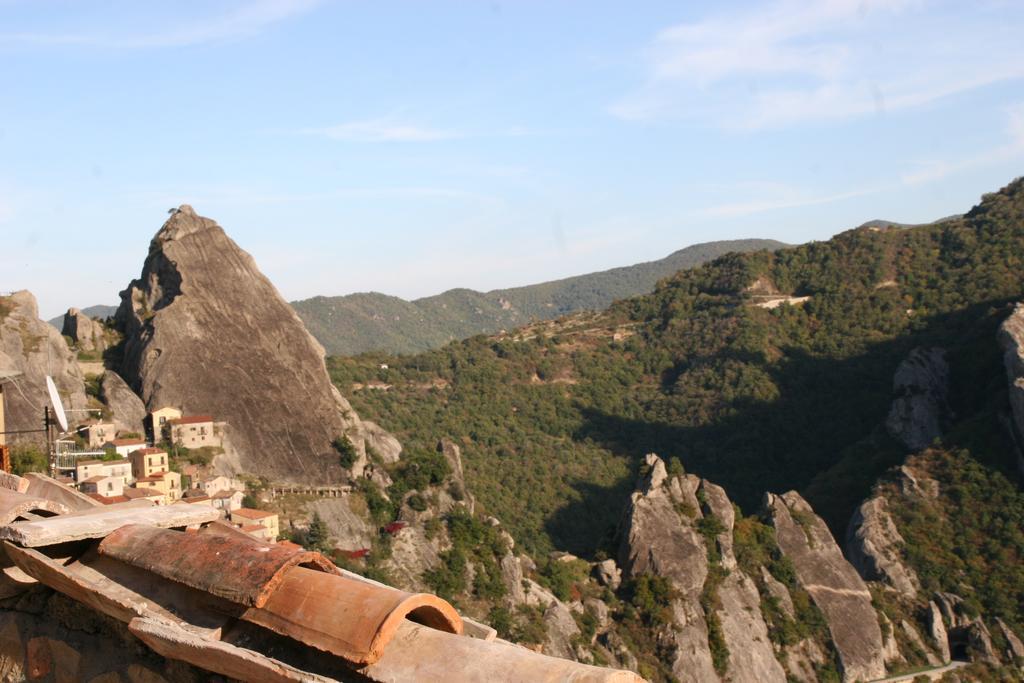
x: 36, y: 349
x: 207, y: 332
x: 833, y: 584
x: 86, y: 333
x: 717, y: 607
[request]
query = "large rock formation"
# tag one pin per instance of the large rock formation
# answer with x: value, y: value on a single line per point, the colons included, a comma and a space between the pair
x: 833, y: 584
x: 126, y: 408
x: 1011, y: 337
x: 86, y: 333
x: 207, y: 332
x: 875, y: 547
x: 34, y: 348
x: 661, y: 536
x: 921, y: 390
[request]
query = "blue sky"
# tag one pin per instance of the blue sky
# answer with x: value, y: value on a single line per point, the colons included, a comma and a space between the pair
x: 411, y: 147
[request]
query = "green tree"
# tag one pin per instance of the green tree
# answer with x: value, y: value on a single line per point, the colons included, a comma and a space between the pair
x: 317, y: 537
x: 347, y: 454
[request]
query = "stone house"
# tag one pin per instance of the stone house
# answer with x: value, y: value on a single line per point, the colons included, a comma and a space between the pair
x: 98, y: 433
x: 108, y: 487
x: 143, y: 493
x: 157, y: 422
x: 218, y: 483
x: 259, y: 523
x: 201, y: 499
x: 148, y: 461
x: 125, y: 446
x: 166, y: 482
x: 227, y: 500
x: 87, y: 469
x: 194, y: 431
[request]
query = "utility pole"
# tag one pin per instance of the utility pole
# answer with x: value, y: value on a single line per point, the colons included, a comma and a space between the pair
x: 50, y: 448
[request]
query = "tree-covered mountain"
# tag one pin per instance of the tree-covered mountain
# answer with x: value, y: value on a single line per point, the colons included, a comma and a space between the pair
x: 356, y: 323
x: 554, y: 417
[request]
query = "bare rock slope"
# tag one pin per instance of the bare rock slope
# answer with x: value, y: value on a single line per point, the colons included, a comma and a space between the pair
x: 920, y: 404
x: 87, y: 333
x: 34, y: 348
x: 207, y: 332
x: 1011, y: 337
x: 833, y: 583
x: 661, y: 535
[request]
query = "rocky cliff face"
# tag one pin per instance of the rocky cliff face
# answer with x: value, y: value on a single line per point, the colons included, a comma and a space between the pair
x: 921, y: 390
x: 33, y: 347
x: 1011, y: 338
x: 207, y: 332
x: 126, y: 408
x: 718, y: 630
x: 834, y: 585
x: 86, y: 333
x: 874, y: 546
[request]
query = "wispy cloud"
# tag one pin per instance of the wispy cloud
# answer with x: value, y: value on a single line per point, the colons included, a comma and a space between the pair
x: 381, y: 130
x: 934, y: 170
x: 805, y: 60
x: 783, y: 197
x: 244, y: 20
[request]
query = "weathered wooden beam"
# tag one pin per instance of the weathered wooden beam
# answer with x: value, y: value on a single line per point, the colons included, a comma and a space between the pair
x: 99, y: 522
x: 123, y: 592
x: 213, y: 655
x: 112, y: 601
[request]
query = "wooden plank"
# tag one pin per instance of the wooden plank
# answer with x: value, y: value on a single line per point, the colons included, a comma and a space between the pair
x: 99, y: 522
x: 216, y: 656
x: 58, y: 577
x: 123, y: 592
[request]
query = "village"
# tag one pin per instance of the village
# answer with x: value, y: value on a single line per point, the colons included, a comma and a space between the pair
x: 113, y: 467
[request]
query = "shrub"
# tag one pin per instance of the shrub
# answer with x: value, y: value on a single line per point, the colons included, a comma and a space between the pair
x: 347, y: 454
x: 317, y: 536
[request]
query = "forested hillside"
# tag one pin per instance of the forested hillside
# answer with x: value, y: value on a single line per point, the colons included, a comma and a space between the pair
x: 712, y: 371
x: 352, y: 324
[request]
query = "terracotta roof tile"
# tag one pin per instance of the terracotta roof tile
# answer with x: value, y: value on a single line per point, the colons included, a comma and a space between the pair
x: 127, y: 442
x: 142, y: 492
x: 192, y: 419
x: 108, y: 500
x: 249, y: 513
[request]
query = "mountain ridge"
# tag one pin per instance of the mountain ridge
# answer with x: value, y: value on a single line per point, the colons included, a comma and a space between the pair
x: 371, y: 321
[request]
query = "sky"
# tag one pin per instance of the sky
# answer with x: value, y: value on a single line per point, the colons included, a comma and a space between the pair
x: 412, y: 147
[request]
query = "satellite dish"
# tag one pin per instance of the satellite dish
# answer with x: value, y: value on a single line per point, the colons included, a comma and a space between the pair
x: 58, y: 407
